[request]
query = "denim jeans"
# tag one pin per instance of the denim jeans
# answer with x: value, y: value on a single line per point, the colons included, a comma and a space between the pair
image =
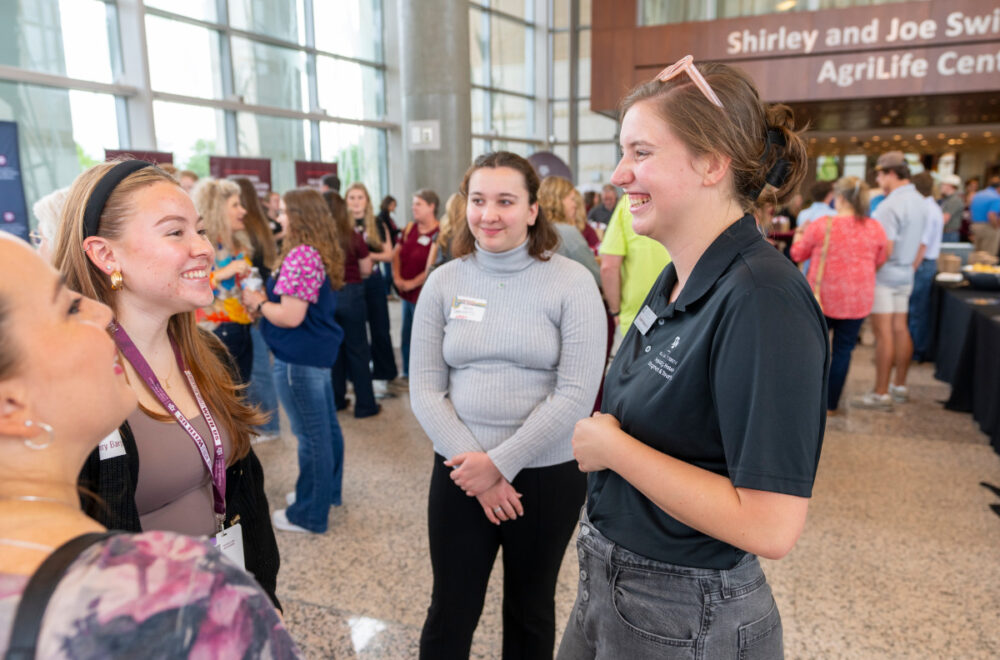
x: 950, y: 237
x: 630, y: 606
x: 236, y: 337
x: 355, y: 355
x: 307, y: 395
x: 407, y: 330
x: 377, y: 308
x: 845, y: 338
x: 919, y: 319
x: 261, y: 390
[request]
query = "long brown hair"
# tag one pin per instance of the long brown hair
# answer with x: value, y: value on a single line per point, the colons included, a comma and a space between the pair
x: 257, y: 228
x: 542, y: 237
x: 210, y: 197
x: 223, y: 396
x: 341, y: 222
x: 452, y: 220
x: 738, y: 130
x: 551, y: 193
x: 310, y: 223
x: 371, y: 227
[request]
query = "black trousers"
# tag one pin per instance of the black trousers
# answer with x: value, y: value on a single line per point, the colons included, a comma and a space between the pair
x: 236, y: 337
x: 377, y: 309
x: 464, y: 545
x: 354, y: 354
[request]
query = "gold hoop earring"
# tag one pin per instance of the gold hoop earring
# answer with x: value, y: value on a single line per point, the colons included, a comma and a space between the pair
x: 45, y: 427
x: 117, y: 281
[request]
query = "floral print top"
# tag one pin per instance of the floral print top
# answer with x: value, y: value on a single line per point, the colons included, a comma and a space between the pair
x: 302, y: 274
x: 131, y: 594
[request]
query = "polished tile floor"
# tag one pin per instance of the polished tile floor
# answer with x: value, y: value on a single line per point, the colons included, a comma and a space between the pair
x: 900, y: 557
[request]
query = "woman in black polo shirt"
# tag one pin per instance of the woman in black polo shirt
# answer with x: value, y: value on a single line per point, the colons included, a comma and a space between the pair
x: 705, y: 451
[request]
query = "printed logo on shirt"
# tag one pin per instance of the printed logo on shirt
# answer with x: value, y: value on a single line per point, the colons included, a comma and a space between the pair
x: 664, y: 363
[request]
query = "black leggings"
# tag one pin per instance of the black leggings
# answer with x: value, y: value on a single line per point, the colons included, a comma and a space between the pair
x: 464, y: 545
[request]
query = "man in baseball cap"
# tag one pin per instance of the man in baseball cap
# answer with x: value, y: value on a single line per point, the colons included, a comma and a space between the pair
x: 952, y: 206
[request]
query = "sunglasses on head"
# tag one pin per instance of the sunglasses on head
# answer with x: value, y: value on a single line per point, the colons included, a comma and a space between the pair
x: 686, y: 64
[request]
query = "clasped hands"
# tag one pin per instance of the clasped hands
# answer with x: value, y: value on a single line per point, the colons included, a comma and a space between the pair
x: 478, y: 477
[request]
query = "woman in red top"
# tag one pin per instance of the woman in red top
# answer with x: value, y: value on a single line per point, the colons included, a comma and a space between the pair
x: 856, y: 249
x: 411, y: 261
x: 351, y: 315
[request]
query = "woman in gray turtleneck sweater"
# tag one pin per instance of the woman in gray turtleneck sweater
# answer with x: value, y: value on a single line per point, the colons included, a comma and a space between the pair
x: 506, y: 357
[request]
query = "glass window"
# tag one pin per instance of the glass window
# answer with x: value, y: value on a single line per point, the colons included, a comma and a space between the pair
x: 583, y: 64
x: 479, y: 101
x: 359, y: 153
x: 61, y: 132
x: 520, y: 148
x: 349, y: 90
x: 585, y: 12
x: 191, y: 132
x: 183, y: 59
x: 592, y: 126
x: 204, y: 10
x: 520, y: 8
x: 60, y: 37
x: 281, y: 19
x: 511, y: 61
x: 560, y: 13
x: 560, y: 120
x: 480, y: 147
x: 561, y: 150
x: 596, y: 162
x: 513, y: 116
x: 560, y: 65
x: 478, y: 47
x: 352, y: 28
x: 282, y: 140
x: 269, y: 75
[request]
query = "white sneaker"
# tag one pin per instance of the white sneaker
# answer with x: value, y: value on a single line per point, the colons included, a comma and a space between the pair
x: 290, y: 498
x: 263, y: 437
x: 872, y: 401
x: 899, y: 393
x: 381, y: 389
x: 280, y: 520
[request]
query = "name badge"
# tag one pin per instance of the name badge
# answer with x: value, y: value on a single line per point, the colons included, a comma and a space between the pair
x: 424, y: 240
x: 645, y: 319
x: 230, y: 543
x: 464, y: 308
x: 111, y: 446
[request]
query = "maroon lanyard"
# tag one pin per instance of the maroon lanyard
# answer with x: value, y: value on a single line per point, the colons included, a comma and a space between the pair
x: 218, y: 472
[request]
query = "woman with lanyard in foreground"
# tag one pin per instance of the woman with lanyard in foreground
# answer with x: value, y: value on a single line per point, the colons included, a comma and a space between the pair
x: 182, y: 462
x: 706, y: 448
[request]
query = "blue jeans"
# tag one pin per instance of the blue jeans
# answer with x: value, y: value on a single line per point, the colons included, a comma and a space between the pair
x: 919, y: 319
x: 407, y: 330
x: 236, y: 337
x: 950, y: 237
x: 354, y: 355
x: 261, y: 391
x: 630, y: 606
x: 845, y: 338
x: 307, y: 395
x: 377, y: 309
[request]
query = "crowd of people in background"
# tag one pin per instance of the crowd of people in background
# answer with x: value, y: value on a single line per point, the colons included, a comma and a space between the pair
x: 227, y: 306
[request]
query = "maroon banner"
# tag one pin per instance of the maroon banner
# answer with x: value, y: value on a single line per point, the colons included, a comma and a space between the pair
x: 258, y: 170
x: 157, y: 157
x: 310, y: 173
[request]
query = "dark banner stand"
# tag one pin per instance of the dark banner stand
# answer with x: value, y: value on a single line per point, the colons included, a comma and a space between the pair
x: 158, y: 157
x: 258, y: 170
x: 310, y: 173
x: 13, y: 208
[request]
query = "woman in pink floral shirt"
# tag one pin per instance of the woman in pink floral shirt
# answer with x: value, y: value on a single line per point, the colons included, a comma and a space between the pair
x: 856, y: 249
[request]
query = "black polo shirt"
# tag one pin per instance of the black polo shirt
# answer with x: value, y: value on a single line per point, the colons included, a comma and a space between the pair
x: 731, y: 377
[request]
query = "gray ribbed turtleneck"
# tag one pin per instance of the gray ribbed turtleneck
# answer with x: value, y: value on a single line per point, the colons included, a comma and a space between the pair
x: 515, y: 383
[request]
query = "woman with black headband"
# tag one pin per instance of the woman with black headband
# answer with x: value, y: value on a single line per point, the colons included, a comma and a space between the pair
x: 705, y: 450
x: 182, y: 462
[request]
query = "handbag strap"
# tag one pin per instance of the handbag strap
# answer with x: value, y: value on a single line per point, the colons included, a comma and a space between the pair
x: 28, y: 620
x: 822, y: 256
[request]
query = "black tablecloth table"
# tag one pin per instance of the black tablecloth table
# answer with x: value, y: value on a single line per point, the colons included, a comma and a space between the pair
x: 967, y: 354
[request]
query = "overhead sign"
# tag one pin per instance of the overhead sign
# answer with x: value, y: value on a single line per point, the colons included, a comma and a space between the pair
x: 157, y: 157
x: 13, y: 208
x: 310, y: 173
x: 258, y: 170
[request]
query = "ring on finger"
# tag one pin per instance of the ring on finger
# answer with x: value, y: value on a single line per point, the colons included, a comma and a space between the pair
x: 498, y: 509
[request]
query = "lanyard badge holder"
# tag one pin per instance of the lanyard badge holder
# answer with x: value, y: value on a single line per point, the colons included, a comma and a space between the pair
x: 229, y: 541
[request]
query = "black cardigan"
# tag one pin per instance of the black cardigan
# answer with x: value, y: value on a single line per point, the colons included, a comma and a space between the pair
x: 109, y: 498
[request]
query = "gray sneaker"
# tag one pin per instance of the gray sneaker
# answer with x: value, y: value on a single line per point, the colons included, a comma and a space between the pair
x: 872, y: 401
x: 899, y: 393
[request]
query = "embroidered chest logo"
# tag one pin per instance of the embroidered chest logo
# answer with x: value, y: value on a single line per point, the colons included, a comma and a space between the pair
x: 664, y: 363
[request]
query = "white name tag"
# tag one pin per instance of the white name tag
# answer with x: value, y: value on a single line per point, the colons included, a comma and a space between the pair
x: 645, y: 319
x: 424, y: 240
x: 230, y: 543
x: 111, y: 446
x: 467, y: 309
